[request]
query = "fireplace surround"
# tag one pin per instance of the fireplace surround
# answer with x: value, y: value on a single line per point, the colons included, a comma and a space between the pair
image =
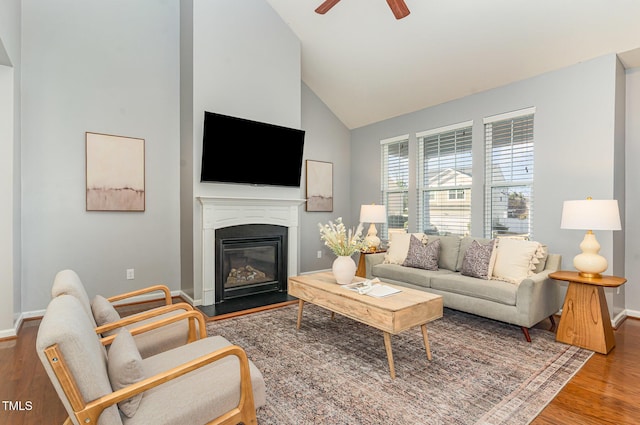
x: 221, y: 212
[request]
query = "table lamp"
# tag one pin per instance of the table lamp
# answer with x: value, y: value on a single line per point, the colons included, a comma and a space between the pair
x: 590, y: 214
x: 373, y: 214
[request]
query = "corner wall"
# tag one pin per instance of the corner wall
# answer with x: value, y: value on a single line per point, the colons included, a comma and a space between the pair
x: 10, y: 167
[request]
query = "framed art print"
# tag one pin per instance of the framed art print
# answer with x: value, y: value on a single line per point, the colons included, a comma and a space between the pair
x: 115, y: 173
x: 319, y: 186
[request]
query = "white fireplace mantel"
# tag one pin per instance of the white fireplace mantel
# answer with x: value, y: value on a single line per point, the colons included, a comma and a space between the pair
x: 219, y: 212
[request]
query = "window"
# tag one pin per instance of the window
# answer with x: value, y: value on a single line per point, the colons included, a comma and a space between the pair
x: 509, y: 174
x: 444, y: 180
x: 395, y: 182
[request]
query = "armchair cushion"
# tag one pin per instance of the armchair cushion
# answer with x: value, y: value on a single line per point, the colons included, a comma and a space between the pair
x: 124, y: 365
x: 104, y: 312
x: 67, y: 282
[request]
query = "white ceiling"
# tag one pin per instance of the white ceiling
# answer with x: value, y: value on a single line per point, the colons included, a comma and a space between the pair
x: 366, y: 66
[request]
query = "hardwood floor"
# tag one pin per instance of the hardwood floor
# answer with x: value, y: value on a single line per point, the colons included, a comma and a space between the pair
x: 604, y: 391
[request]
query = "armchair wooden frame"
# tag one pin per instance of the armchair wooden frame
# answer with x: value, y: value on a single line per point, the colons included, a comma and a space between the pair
x: 134, y: 318
x: 155, y: 288
x: 88, y: 412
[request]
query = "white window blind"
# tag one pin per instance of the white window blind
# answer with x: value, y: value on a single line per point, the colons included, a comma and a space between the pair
x: 444, y: 180
x: 395, y: 182
x: 509, y: 174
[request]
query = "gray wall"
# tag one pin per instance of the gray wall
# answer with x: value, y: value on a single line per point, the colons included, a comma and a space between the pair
x: 107, y: 67
x: 632, y: 225
x: 576, y: 148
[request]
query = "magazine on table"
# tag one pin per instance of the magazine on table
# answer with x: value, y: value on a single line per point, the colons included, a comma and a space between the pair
x: 372, y: 287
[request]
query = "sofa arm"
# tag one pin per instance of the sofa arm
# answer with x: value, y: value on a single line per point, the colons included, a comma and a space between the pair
x: 538, y: 297
x: 371, y: 260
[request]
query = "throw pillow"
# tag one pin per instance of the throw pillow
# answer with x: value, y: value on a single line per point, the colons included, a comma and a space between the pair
x: 124, y: 366
x: 516, y: 259
x: 422, y: 256
x: 477, y: 260
x: 399, y: 246
x: 104, y: 312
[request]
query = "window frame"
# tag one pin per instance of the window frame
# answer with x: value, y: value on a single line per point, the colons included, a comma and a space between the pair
x: 401, y: 192
x: 523, y: 157
x: 459, y: 146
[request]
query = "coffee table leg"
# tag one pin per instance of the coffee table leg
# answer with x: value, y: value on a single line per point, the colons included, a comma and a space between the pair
x: 426, y: 340
x: 300, y: 304
x: 387, y: 346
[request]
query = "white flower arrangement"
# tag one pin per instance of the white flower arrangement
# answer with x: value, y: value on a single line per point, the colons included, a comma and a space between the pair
x: 341, y: 241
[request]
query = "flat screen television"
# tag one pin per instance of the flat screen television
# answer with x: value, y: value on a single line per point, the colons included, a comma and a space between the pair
x: 237, y: 150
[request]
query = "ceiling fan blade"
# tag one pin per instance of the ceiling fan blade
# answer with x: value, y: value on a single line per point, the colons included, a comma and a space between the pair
x: 399, y: 8
x: 324, y: 7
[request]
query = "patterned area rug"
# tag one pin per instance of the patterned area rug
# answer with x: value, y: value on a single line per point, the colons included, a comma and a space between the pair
x: 336, y: 371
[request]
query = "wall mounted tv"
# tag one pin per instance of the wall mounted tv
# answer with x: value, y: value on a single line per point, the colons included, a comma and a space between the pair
x: 237, y: 150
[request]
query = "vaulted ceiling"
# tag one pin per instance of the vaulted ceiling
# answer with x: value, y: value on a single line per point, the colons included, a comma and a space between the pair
x: 368, y: 66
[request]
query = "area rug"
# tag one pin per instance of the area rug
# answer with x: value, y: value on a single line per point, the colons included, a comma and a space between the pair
x: 336, y: 371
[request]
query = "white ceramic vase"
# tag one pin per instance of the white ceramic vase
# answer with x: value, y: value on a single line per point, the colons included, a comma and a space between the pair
x: 344, y: 269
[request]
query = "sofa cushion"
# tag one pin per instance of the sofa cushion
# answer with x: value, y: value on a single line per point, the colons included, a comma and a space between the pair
x: 465, y: 243
x: 516, y: 259
x: 449, y: 248
x: 399, y: 246
x: 491, y: 290
x: 479, y: 260
x: 543, y: 260
x: 422, y: 256
x: 125, y: 368
x: 396, y: 272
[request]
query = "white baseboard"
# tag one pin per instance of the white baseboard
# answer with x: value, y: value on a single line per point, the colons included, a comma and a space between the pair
x: 632, y: 313
x: 12, y: 332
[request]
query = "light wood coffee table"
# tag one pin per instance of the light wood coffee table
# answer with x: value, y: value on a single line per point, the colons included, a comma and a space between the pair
x: 392, y: 314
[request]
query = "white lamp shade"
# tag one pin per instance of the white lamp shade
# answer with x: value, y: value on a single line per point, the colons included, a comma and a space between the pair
x: 373, y: 214
x: 591, y: 214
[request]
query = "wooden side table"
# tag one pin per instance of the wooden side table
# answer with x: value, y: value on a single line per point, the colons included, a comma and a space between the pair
x: 585, y: 320
x: 362, y: 264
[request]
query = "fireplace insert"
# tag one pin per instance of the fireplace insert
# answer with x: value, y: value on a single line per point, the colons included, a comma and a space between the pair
x: 250, y: 259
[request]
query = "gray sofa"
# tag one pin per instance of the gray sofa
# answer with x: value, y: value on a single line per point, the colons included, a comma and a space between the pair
x: 524, y: 304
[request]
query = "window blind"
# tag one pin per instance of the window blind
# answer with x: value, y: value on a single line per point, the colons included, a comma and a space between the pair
x: 444, y: 180
x: 395, y: 183
x: 509, y: 175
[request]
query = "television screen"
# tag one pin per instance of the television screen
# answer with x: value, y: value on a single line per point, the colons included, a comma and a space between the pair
x: 237, y: 150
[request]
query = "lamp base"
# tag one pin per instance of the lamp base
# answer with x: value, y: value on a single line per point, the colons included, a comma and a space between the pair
x: 372, y: 240
x: 590, y: 264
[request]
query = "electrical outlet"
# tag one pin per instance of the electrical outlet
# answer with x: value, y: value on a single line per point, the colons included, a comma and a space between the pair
x: 131, y: 274
x: 319, y: 254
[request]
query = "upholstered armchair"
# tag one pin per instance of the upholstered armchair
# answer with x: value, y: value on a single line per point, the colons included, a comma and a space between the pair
x: 207, y: 381
x: 107, y: 321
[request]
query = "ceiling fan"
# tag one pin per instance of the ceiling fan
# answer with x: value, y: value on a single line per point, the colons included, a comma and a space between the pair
x: 398, y: 7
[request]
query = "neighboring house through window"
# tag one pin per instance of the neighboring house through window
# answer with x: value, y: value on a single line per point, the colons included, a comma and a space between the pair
x: 444, y: 180
x: 509, y: 173
x: 395, y: 182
